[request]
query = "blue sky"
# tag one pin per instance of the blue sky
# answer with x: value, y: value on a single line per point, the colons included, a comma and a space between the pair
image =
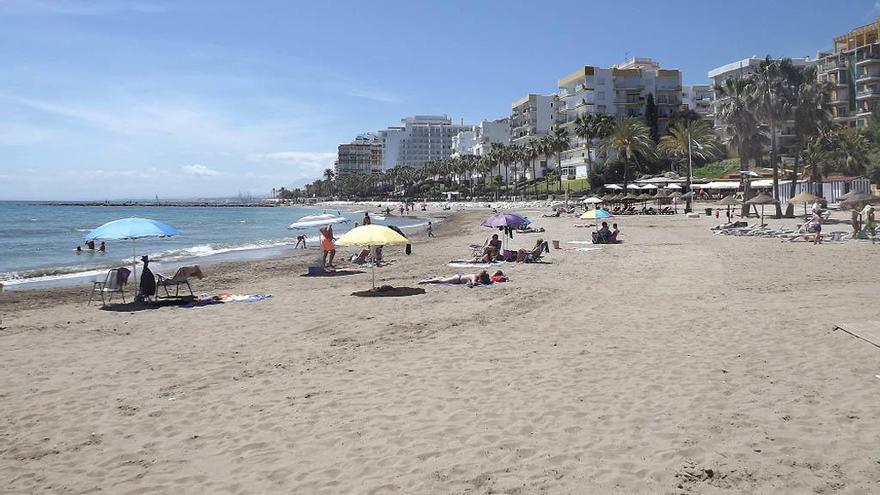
x: 126, y: 99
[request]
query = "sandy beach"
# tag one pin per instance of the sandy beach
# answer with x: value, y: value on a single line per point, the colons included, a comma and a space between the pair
x: 676, y: 362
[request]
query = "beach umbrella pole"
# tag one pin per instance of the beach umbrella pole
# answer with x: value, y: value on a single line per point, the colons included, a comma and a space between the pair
x: 134, y: 268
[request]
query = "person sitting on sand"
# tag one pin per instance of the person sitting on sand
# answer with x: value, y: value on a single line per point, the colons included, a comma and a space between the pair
x: 471, y: 279
x: 360, y: 258
x: 327, y: 246
x: 601, y: 235
x: 614, y: 232
x: 495, y: 244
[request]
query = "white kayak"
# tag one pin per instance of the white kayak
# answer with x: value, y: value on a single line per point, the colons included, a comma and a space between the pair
x: 317, y: 221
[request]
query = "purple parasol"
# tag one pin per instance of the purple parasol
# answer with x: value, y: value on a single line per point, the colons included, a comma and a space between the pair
x: 504, y: 220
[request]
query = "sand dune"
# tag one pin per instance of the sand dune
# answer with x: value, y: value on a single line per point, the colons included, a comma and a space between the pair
x: 676, y: 362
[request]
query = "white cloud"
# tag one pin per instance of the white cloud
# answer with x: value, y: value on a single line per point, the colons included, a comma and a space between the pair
x: 306, y: 163
x: 200, y: 171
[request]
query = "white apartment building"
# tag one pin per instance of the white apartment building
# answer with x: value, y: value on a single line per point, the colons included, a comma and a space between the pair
x: 531, y: 117
x: 853, y: 68
x: 361, y: 156
x: 699, y: 98
x: 478, y: 139
x: 620, y: 91
x: 419, y: 139
x: 742, y: 69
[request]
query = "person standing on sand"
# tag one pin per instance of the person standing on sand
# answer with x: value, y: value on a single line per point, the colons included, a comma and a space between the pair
x: 430, y: 230
x: 327, y: 245
x: 816, y: 226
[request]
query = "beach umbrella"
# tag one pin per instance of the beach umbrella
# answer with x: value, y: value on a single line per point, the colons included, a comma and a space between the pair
x: 804, y: 197
x: 673, y: 186
x: 504, y: 220
x: 630, y: 197
x: 371, y: 236
x: 132, y: 228
x: 762, y: 199
x: 649, y: 186
x: 613, y: 186
x: 596, y: 214
x: 501, y: 220
x: 729, y: 201
x: 592, y: 200
x: 317, y: 221
x: 854, y: 199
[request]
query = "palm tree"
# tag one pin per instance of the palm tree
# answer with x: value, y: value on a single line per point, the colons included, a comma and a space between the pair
x: 811, y: 115
x: 545, y: 144
x: 773, y: 101
x: 630, y: 141
x: 559, y: 143
x: 532, y: 151
x: 739, y: 123
x: 329, y: 175
x: 704, y: 145
x: 591, y: 126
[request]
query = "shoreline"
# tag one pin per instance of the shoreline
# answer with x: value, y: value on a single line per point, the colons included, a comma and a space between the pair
x: 63, y: 277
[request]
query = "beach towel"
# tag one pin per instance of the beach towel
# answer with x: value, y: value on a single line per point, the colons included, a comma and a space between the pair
x: 578, y: 242
x: 473, y: 264
x: 207, y: 299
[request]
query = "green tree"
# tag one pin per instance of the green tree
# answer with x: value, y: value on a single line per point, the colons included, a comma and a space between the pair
x: 773, y: 102
x: 740, y: 125
x: 629, y: 142
x: 651, y: 118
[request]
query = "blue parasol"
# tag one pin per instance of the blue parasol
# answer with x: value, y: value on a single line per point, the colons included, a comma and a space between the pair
x: 131, y: 229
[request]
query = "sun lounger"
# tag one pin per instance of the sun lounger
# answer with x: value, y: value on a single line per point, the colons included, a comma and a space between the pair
x: 114, y: 282
x: 181, y: 277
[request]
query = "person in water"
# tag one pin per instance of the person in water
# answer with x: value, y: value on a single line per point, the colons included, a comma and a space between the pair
x: 102, y: 248
x: 367, y: 219
x: 90, y: 245
x: 79, y: 250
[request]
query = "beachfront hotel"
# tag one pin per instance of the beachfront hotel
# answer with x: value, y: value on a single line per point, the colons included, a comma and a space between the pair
x: 417, y: 140
x: 700, y: 98
x: 620, y: 90
x: 478, y: 139
x: 361, y: 156
x: 853, y: 67
x: 531, y: 117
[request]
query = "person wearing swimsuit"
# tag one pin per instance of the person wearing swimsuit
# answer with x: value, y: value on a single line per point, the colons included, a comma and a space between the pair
x: 327, y: 245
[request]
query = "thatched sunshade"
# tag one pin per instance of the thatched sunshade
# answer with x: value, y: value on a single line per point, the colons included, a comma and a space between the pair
x: 630, y: 197
x: 859, y: 198
x: 729, y: 200
x: 762, y: 199
x: 804, y: 197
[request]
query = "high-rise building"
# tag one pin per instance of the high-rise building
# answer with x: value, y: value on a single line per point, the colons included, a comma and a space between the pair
x: 699, y: 98
x: 853, y: 67
x: 361, y: 156
x: 419, y: 139
x: 741, y: 69
x: 531, y: 117
x: 478, y: 139
x: 620, y: 91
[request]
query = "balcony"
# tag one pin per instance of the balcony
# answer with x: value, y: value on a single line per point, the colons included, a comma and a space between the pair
x: 868, y: 58
x: 868, y: 93
x: 868, y: 75
x: 837, y: 99
x: 863, y: 112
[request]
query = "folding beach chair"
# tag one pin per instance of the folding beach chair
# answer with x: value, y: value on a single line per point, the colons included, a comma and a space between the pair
x: 181, y: 277
x: 113, y: 283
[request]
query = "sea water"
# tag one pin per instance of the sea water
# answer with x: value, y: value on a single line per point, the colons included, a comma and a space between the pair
x: 38, y: 240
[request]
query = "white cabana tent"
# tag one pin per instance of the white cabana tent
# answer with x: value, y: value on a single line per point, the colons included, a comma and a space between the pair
x: 717, y: 185
x: 649, y: 186
x: 673, y: 186
x: 613, y: 186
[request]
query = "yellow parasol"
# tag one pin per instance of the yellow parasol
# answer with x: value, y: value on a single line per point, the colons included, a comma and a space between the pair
x: 371, y: 235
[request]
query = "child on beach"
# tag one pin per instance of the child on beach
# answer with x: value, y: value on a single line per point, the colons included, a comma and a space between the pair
x: 327, y: 246
x: 430, y: 230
